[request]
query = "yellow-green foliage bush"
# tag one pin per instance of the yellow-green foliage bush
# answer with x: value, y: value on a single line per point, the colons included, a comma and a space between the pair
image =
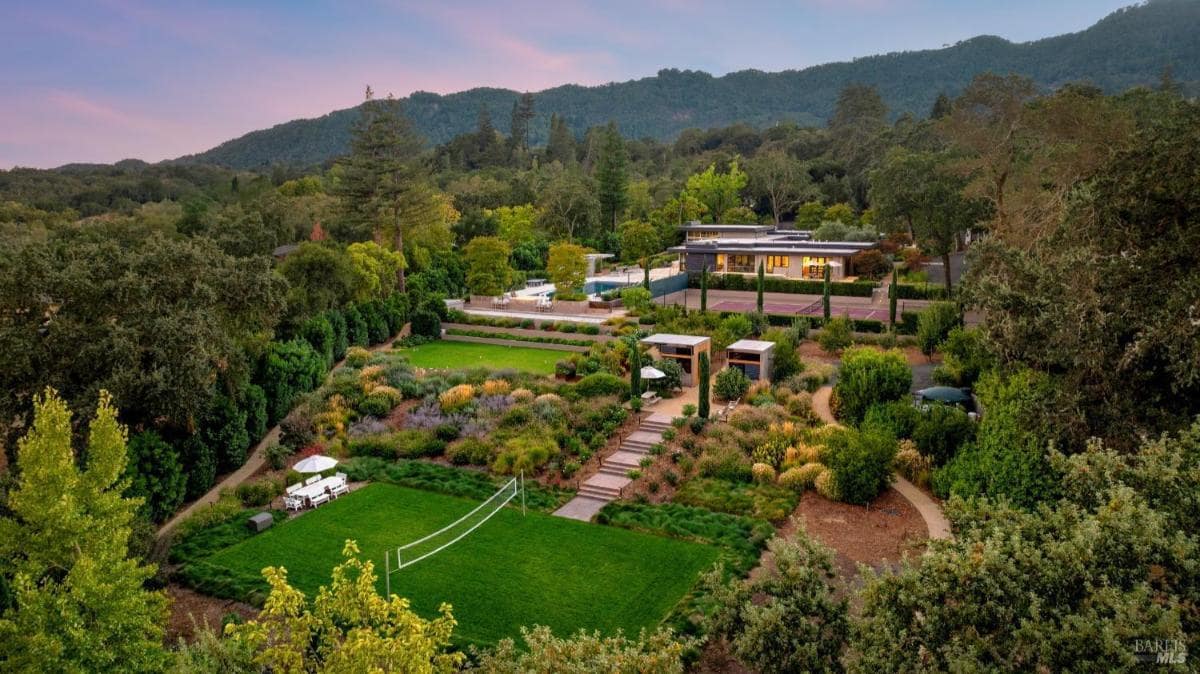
x: 762, y: 473
x: 522, y: 395
x: 357, y: 356
x: 526, y: 453
x: 912, y: 464
x: 496, y: 387
x: 770, y: 453
x: 456, y: 397
x: 826, y: 484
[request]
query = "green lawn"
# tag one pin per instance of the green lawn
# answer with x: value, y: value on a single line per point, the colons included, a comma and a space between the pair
x: 455, y: 355
x: 514, y: 570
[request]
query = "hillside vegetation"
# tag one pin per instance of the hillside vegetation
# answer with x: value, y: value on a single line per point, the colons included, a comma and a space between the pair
x: 1129, y: 47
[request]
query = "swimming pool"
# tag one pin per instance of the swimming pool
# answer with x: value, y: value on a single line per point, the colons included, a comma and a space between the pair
x: 597, y: 287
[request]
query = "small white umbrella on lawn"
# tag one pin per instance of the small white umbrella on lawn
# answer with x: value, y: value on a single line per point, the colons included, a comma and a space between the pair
x: 315, y: 464
x: 649, y: 372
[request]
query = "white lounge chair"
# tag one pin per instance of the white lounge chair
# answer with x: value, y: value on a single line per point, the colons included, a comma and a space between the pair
x: 318, y: 499
x: 312, y: 480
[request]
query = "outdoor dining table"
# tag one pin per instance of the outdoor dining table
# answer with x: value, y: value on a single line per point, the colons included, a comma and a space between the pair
x: 307, y: 492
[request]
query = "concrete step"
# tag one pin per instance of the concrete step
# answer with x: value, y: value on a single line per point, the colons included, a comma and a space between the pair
x: 597, y: 493
x: 616, y: 471
x: 628, y: 442
x: 653, y: 429
x: 625, y: 458
x: 643, y: 438
x: 634, y: 449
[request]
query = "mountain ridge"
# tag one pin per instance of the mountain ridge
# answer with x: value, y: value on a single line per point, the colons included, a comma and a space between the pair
x: 1127, y: 48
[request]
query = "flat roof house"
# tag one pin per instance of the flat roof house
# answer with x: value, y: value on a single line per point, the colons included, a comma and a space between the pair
x: 738, y: 249
x: 752, y: 357
x: 683, y: 349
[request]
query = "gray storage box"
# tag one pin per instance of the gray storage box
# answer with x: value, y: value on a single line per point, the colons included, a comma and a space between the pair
x: 260, y: 522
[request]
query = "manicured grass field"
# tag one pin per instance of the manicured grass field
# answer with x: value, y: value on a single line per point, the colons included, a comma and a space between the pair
x: 514, y: 570
x: 455, y: 355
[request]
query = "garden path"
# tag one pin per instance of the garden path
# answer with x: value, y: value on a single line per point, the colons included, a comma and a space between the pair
x: 935, y: 519
x: 606, y: 485
x: 254, y: 462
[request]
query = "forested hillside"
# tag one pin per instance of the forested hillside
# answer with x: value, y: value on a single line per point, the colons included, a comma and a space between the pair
x: 1129, y: 47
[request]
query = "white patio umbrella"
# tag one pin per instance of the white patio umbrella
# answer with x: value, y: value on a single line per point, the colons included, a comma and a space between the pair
x: 315, y: 464
x: 649, y: 372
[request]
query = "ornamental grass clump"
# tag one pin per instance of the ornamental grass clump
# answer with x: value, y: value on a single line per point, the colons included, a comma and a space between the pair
x: 456, y: 397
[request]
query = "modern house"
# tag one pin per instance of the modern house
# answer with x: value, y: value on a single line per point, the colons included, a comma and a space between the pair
x: 738, y: 249
x: 752, y: 357
x: 683, y: 349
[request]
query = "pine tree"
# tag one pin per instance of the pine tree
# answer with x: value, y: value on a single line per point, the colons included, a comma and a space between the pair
x: 704, y: 290
x: 79, y: 602
x: 761, y: 282
x: 703, y: 407
x: 825, y: 293
x: 560, y: 146
x: 612, y: 177
x: 518, y: 132
x: 941, y: 107
x: 382, y: 193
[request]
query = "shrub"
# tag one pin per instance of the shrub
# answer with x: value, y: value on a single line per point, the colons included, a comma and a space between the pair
x: 376, y: 405
x: 357, y: 356
x: 868, y: 376
x: 941, y: 430
x: 426, y: 323
x: 356, y: 326
x: 898, y: 417
x: 254, y: 404
x: 496, y: 387
x: 731, y: 384
x: 914, y: 466
x: 934, y: 325
x: 526, y: 453
x: 871, y: 264
x: 600, y: 384
x: 296, y: 430
x: 636, y: 299
x: 725, y: 463
x: 861, y: 463
x: 770, y: 453
x: 826, y: 485
x: 277, y: 455
x: 799, y: 478
x: 836, y: 334
x: 966, y: 357
x: 689, y: 410
x: 472, y: 451
x: 289, y: 370
x: 762, y: 473
x: 766, y: 501
x: 256, y: 494
x: 155, y: 475
x: 785, y: 360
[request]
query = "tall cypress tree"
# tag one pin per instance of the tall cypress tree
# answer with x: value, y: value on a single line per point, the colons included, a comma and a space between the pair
x: 612, y: 177
x: 382, y: 191
x: 892, y: 302
x: 635, y: 370
x: 646, y: 279
x: 761, y: 283
x: 703, y: 408
x: 704, y: 290
x: 825, y: 293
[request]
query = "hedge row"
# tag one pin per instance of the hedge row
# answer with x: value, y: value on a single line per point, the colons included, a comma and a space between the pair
x: 906, y: 325
x: 908, y: 291
x: 457, y: 316
x: 784, y: 285
x: 519, y: 338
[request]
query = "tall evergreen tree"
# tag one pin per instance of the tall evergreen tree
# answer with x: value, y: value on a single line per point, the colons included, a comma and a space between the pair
x: 560, y: 146
x: 758, y: 301
x: 704, y: 290
x: 635, y: 370
x: 518, y: 131
x: 382, y: 192
x: 942, y: 107
x: 825, y: 294
x: 703, y: 407
x: 893, y: 291
x: 612, y: 177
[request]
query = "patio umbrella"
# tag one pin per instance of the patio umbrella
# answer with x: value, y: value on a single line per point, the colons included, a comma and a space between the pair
x: 649, y: 372
x: 314, y: 464
x: 945, y: 394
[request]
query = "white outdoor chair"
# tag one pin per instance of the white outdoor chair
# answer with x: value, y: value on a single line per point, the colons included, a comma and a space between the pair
x: 341, y: 477
x: 312, y: 480
x: 294, y: 488
x: 338, y: 489
x: 318, y: 499
x: 293, y: 503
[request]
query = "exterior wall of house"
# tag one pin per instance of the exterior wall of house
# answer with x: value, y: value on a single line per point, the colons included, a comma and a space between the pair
x: 787, y: 266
